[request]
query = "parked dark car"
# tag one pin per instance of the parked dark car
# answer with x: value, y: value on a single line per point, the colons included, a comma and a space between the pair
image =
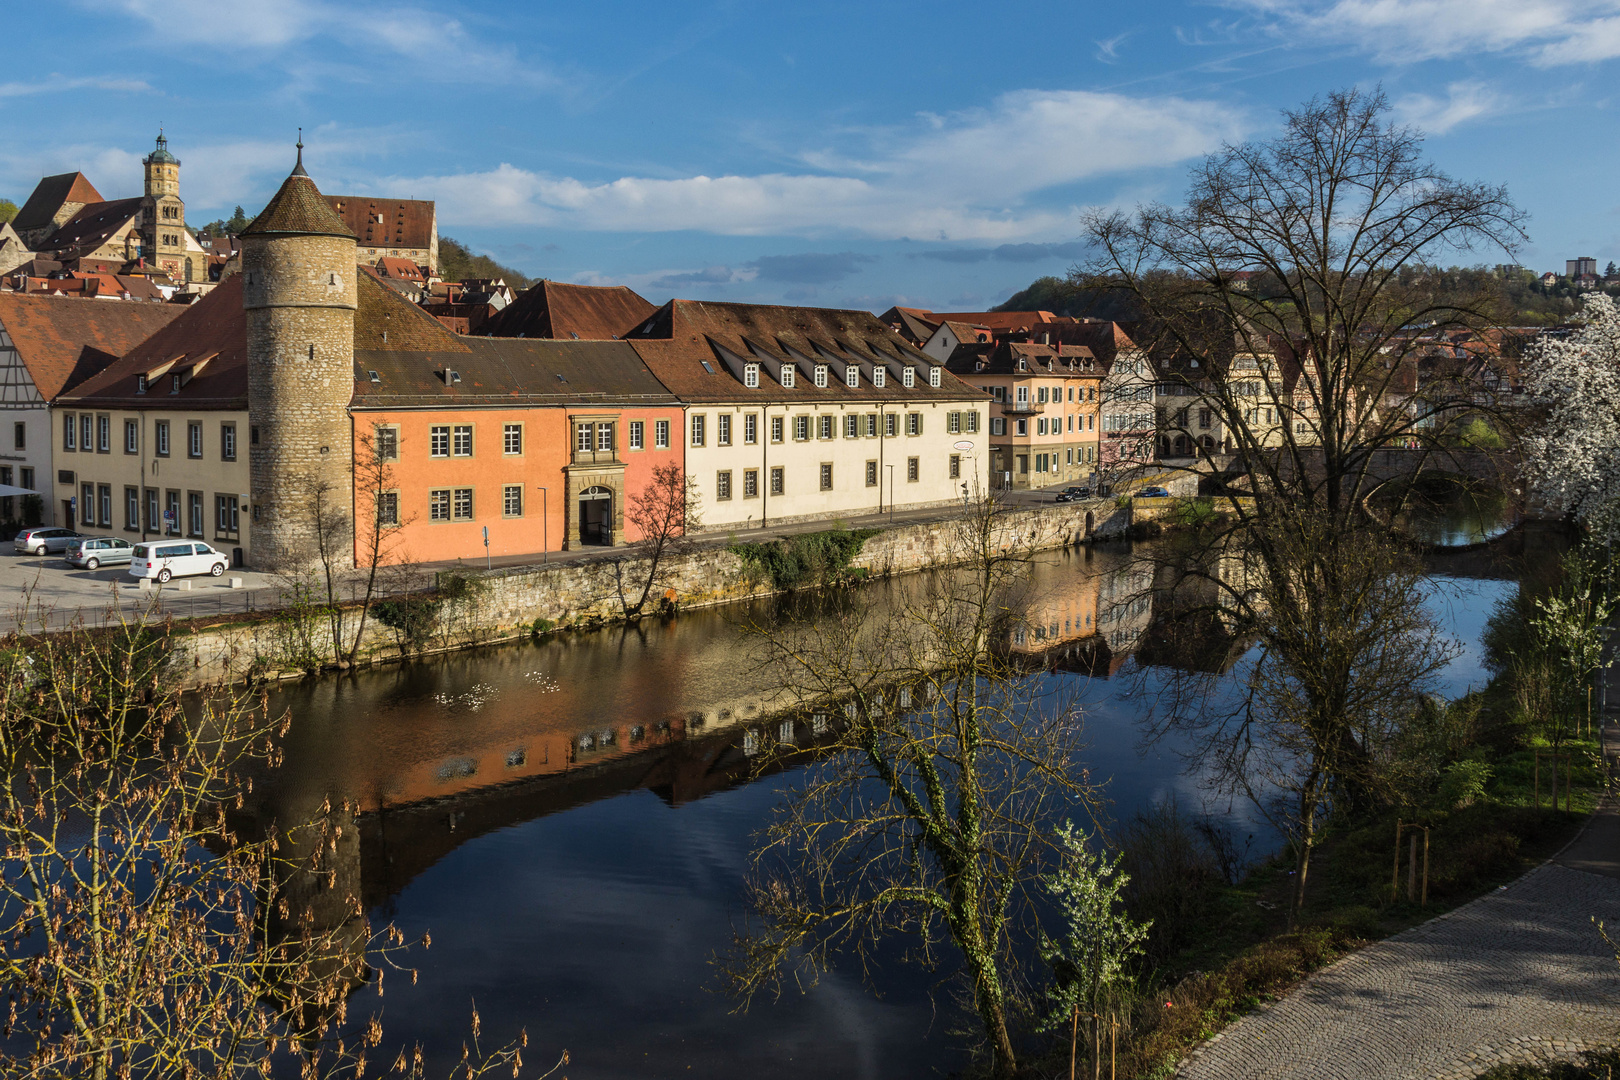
x: 93, y: 552
x: 1064, y: 496
x: 1078, y: 492
x: 1153, y: 493
x: 44, y: 538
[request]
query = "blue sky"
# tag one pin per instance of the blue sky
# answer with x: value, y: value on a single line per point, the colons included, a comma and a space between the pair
x: 838, y: 154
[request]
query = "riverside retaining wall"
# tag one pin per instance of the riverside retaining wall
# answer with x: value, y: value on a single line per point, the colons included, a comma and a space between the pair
x: 505, y: 604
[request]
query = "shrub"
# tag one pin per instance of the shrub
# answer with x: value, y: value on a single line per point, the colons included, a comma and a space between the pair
x: 1463, y: 783
x: 541, y: 626
x: 808, y: 559
x: 412, y: 618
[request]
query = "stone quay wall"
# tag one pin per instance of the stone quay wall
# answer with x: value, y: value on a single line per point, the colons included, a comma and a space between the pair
x: 505, y: 605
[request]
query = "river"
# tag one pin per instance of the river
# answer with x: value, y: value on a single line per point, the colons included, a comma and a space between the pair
x: 571, y: 820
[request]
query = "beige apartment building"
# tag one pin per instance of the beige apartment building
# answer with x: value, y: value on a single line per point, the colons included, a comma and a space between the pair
x: 156, y: 443
x: 795, y: 414
x: 1044, y: 402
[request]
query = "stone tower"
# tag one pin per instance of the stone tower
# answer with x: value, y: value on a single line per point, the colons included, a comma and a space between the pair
x: 298, y: 290
x: 163, y: 215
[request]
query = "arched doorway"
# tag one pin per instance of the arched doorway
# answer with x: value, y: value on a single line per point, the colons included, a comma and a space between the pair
x: 596, y: 516
x: 1091, y: 522
x: 188, y: 271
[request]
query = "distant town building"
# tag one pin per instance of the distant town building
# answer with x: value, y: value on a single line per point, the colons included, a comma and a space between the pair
x: 1585, y: 266
x: 391, y: 228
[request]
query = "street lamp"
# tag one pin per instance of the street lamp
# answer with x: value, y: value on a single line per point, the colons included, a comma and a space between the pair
x: 545, y: 523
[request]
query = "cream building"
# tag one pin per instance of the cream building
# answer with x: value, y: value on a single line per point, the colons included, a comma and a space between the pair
x: 796, y: 414
x: 156, y: 444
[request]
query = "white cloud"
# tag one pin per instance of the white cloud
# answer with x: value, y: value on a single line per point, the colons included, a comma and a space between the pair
x: 1464, y: 101
x: 967, y: 176
x: 440, y: 45
x: 1546, y: 32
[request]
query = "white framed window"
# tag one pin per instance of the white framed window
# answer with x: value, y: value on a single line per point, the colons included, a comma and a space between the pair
x: 913, y: 423
x: 512, y: 501
x: 750, y: 429
x: 439, y: 504
x: 637, y: 434
x: 87, y: 436
x: 785, y: 373
x: 160, y: 431
x: 998, y: 426
x: 722, y: 432
x: 912, y: 469
x: 70, y: 428
x: 801, y: 428
x: 439, y: 442
x: 973, y: 422
x: 826, y: 476
x: 387, y: 508
x: 891, y: 425
x: 751, y: 376
x: 194, y: 440
x: 604, y: 436
x: 104, y: 434
x: 462, y: 505
x: 661, y: 434
x: 385, y: 442
x: 880, y: 376
x: 871, y: 425
x: 778, y: 480
x: 821, y: 376
x: 953, y: 423
x: 852, y: 426
x: 722, y: 485
x: 824, y: 426
x: 132, y: 438
x: 512, y: 439
x: 908, y: 378
x: 697, y: 428
x: 584, y: 437
x: 778, y: 425
x: 227, y: 442
x: 935, y: 378
x: 852, y: 377
x: 461, y: 446
x: 750, y: 483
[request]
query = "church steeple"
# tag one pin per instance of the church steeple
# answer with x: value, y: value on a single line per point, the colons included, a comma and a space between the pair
x: 162, y: 170
x: 163, y: 217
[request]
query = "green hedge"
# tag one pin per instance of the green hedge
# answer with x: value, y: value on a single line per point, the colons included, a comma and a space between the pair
x: 806, y: 559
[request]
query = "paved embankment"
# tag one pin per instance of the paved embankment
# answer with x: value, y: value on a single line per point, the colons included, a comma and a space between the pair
x: 1518, y: 975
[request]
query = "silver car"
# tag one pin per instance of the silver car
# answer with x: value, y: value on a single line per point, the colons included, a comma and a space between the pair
x: 93, y: 552
x: 43, y: 539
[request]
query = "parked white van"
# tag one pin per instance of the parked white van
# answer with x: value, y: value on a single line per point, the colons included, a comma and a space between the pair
x: 165, y: 561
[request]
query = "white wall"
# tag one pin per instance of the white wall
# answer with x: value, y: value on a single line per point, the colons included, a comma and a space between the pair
x: 802, y: 497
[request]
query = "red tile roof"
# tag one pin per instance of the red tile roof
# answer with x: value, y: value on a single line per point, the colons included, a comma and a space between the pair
x: 681, y: 343
x: 406, y: 223
x: 213, y: 332
x: 555, y: 309
x: 63, y: 341
x: 49, y: 195
x: 385, y: 321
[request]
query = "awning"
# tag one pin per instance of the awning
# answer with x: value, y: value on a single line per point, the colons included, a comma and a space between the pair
x: 8, y: 489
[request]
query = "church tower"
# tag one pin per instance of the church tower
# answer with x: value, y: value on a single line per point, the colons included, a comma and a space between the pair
x: 298, y: 290
x: 163, y: 216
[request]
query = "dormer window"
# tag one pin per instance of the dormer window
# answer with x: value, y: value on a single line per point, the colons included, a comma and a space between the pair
x: 880, y: 375
x: 908, y: 377
x: 140, y: 384
x: 1023, y: 365
x: 852, y: 377
x: 934, y: 377
x: 751, y: 376
x: 174, y: 383
x: 786, y: 374
x: 821, y: 376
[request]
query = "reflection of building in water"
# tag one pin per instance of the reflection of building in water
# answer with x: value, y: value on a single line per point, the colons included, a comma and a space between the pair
x: 1197, y: 622
x: 1084, y: 614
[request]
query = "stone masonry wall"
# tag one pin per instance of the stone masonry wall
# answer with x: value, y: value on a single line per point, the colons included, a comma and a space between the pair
x: 581, y: 592
x: 299, y: 295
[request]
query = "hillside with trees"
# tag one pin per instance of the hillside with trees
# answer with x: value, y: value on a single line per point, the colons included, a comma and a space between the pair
x: 1520, y: 298
x: 458, y: 263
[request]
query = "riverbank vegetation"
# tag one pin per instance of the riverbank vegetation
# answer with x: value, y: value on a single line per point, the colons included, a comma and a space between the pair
x: 150, y: 924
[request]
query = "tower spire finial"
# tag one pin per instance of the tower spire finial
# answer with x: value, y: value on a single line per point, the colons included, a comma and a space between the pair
x: 298, y: 170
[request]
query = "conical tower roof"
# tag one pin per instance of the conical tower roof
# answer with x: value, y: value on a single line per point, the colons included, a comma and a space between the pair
x: 298, y: 209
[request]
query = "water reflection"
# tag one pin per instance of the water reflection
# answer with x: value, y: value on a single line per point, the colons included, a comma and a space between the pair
x: 572, y: 820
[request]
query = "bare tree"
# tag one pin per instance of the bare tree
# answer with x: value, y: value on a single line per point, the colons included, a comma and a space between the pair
x: 665, y: 513
x: 142, y: 934
x: 1289, y: 297
x: 379, y: 525
x: 929, y: 815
